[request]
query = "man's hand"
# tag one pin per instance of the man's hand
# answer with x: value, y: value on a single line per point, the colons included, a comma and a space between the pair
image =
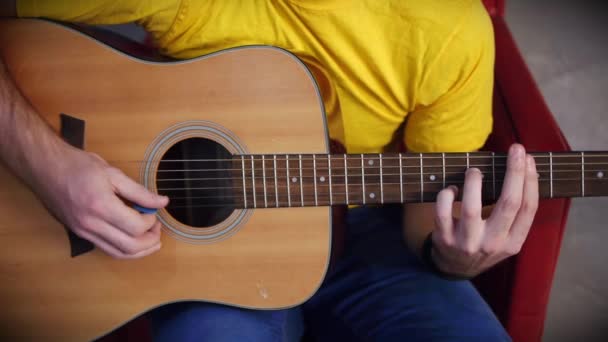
x: 78, y: 187
x: 469, y: 245
x: 83, y: 192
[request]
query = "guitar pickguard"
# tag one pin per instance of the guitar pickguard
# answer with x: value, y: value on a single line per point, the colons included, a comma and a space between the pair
x: 72, y: 131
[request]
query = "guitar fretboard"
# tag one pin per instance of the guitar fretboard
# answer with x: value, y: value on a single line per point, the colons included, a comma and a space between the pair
x: 301, y: 180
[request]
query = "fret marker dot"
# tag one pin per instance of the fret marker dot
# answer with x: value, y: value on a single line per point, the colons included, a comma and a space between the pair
x: 433, y: 178
x: 322, y: 179
x: 372, y: 195
x: 294, y: 179
x: 370, y: 162
x: 600, y: 175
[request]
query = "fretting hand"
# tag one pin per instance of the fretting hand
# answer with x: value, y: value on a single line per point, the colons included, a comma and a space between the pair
x: 469, y: 245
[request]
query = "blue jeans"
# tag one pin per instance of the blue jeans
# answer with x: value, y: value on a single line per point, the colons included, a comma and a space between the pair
x: 379, y: 291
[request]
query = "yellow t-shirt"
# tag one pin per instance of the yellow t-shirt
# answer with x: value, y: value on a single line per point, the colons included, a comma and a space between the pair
x: 426, y: 63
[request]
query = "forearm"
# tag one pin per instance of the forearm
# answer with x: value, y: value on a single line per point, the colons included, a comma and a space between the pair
x: 28, y: 146
x: 72, y: 183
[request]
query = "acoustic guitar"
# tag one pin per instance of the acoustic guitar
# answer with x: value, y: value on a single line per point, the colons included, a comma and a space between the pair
x: 238, y: 141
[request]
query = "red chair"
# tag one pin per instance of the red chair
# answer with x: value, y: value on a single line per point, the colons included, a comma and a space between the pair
x: 517, y: 289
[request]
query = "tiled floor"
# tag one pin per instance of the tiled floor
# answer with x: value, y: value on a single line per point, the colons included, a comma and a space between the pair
x: 566, y: 46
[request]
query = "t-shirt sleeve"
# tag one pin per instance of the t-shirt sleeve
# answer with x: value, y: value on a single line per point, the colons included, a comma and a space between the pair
x: 453, y: 112
x: 157, y: 17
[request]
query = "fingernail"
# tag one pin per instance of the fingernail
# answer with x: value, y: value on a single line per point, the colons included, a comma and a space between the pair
x: 517, y: 151
x: 476, y: 170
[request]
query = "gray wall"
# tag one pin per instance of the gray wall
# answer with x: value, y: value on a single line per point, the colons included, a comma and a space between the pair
x: 565, y: 45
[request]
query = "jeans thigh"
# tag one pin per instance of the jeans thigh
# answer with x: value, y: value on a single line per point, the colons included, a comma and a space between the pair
x: 196, y: 321
x: 380, y: 291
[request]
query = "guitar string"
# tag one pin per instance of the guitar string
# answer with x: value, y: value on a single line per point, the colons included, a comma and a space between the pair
x: 338, y: 175
x: 335, y: 185
x: 354, y: 167
x: 308, y: 200
x: 369, y: 157
x: 283, y: 204
x: 497, y: 166
x: 354, y: 197
x: 349, y: 184
x: 283, y: 188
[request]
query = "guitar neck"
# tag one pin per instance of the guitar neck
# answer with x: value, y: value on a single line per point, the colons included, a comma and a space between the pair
x: 262, y: 181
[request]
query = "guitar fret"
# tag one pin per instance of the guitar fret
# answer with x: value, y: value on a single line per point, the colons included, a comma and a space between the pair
x: 401, y: 175
x: 443, y: 168
x: 264, y: 181
x: 346, y: 178
x: 255, y: 204
x: 551, y: 172
x: 363, y: 178
x: 582, y: 174
x: 468, y: 162
x: 494, y: 175
x: 276, y: 187
x: 244, y: 184
x: 421, y: 179
x: 301, y: 185
x: 331, y: 200
x: 288, y: 180
x: 381, y: 181
x: 314, y: 173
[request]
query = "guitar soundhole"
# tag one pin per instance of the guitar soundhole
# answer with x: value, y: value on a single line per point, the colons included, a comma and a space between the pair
x: 195, y: 174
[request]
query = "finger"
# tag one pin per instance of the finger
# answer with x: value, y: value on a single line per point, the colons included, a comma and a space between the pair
x: 101, y: 244
x: 443, y: 211
x: 127, y: 219
x: 471, y: 197
x: 135, y: 192
x: 146, y: 252
x: 113, y: 250
x: 525, y: 216
x: 125, y: 243
x: 512, y: 190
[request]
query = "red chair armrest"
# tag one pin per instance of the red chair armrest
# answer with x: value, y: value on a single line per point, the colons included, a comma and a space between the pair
x: 495, y: 7
x: 518, y: 289
x: 533, y: 122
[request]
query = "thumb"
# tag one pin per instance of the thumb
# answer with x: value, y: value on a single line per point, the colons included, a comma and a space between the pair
x: 130, y: 190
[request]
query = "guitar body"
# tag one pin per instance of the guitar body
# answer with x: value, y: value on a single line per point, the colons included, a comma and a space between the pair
x: 269, y: 259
